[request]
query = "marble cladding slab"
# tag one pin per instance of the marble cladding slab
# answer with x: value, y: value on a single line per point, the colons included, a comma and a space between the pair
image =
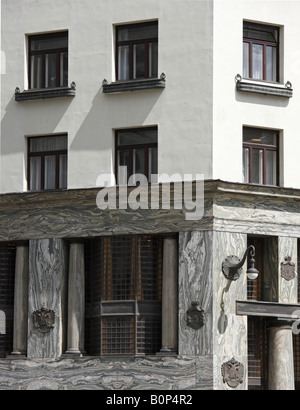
x: 231, y: 207
x: 230, y: 332
x: 195, y: 285
x: 288, y: 290
x: 47, y: 288
x: 151, y: 373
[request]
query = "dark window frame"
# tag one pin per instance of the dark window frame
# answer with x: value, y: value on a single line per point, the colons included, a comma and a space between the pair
x: 43, y: 53
x: 265, y: 148
x: 131, y: 148
x: 42, y: 155
x: 131, y: 44
x: 265, y: 44
x: 133, y: 301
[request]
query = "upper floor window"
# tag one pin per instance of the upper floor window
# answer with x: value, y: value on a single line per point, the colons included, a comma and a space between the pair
x: 48, y: 60
x: 137, y: 51
x: 261, y: 52
x: 47, y: 162
x: 136, y: 150
x: 261, y: 156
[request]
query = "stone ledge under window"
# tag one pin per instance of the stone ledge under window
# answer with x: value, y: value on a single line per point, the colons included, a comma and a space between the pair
x: 41, y: 94
x: 265, y: 88
x: 134, y: 85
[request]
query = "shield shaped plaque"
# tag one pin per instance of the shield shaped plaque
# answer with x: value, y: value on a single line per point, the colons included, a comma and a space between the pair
x: 288, y: 269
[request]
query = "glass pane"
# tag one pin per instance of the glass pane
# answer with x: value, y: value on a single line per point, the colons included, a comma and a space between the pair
x: 36, y: 72
x: 246, y: 165
x: 123, y: 161
x: 50, y: 172
x: 35, y: 174
x: 64, y: 69
x: 257, y: 63
x: 246, y: 60
x: 153, y: 60
x: 49, y: 42
x: 123, y: 68
x: 139, y: 161
x: 63, y: 171
x: 50, y: 70
x: 137, y: 137
x: 45, y: 144
x: 260, y: 136
x: 271, y: 63
x: 153, y: 165
x: 257, y: 166
x: 138, y: 32
x: 139, y: 61
x: 271, y: 168
x: 259, y: 32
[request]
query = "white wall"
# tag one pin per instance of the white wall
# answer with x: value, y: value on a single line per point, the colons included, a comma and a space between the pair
x: 234, y: 109
x: 182, y: 111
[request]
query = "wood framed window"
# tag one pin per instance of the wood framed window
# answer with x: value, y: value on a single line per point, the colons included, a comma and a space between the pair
x: 261, y: 52
x: 47, y: 162
x: 137, y: 51
x: 136, y: 149
x: 261, y: 156
x: 48, y: 60
x: 123, y: 295
x: 7, y: 285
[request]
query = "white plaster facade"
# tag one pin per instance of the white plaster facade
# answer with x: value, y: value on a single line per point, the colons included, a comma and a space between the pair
x: 199, y: 114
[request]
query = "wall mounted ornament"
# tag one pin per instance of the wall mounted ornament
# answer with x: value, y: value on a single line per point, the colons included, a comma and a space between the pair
x: 288, y: 269
x: 43, y: 320
x: 195, y: 316
x: 233, y: 373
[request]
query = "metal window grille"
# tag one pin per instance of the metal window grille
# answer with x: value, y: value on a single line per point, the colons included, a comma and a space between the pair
x: 123, y: 295
x: 257, y: 353
x: 7, y: 284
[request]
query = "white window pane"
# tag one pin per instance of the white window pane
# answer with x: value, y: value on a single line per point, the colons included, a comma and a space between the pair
x: 271, y: 63
x: 36, y: 72
x: 45, y: 144
x: 123, y: 69
x: 257, y: 63
x: 35, y: 173
x: 50, y: 172
x: 64, y: 69
x: 246, y: 165
x: 246, y: 60
x: 271, y: 168
x: 50, y: 70
x: 257, y: 166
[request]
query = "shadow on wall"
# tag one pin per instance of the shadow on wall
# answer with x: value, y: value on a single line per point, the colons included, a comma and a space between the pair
x: 19, y: 117
x: 112, y: 111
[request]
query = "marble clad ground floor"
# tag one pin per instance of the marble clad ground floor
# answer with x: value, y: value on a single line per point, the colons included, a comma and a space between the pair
x: 201, y: 320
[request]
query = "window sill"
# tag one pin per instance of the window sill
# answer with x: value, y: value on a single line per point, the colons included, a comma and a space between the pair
x: 42, y: 94
x: 134, y: 85
x: 264, y: 87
